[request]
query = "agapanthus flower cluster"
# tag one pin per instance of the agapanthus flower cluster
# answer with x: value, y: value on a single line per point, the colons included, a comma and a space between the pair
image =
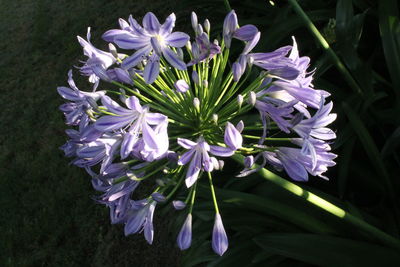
x: 171, y: 111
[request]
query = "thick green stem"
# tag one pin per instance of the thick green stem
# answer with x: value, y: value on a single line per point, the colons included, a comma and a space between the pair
x: 327, y: 206
x: 336, y: 60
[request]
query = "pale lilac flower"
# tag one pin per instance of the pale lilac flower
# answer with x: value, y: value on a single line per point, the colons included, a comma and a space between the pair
x: 315, y: 126
x: 76, y: 111
x: 203, y: 49
x: 141, y: 218
x: 276, y: 63
x: 231, y: 30
x: 184, y: 239
x: 98, y: 61
x: 102, y: 150
x: 155, y: 39
x: 200, y: 159
x: 198, y: 153
x: 279, y: 111
x: 152, y: 127
x: 219, y: 237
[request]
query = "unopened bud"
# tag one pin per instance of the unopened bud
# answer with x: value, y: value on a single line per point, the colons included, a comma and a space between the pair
x: 205, y: 83
x: 207, y: 26
x: 252, y: 98
x: 250, y: 61
x: 216, y: 42
x: 196, y: 104
x: 215, y: 118
x: 199, y: 29
x: 195, y: 77
x: 113, y: 50
x: 240, y: 100
x: 189, y: 46
x: 193, y: 19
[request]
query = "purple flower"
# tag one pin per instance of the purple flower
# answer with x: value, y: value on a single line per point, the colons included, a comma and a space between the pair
x: 98, y: 61
x: 298, y: 164
x: 279, y: 111
x: 315, y: 126
x: 200, y: 160
x: 152, y: 37
x: 219, y: 238
x: 203, y: 49
x: 199, y: 157
x: 141, y: 218
x: 139, y: 121
x: 102, y: 150
x: 184, y: 239
x: 76, y: 111
x: 276, y: 63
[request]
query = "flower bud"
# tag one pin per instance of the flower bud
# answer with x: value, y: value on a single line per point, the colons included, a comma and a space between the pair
x: 181, y: 86
x: 240, y: 100
x: 194, y: 21
x: 219, y: 237
x: 207, y: 26
x: 158, y: 197
x: 199, y: 29
x: 252, y: 98
x: 196, y: 104
x: 205, y: 83
x: 189, y: 46
x: 178, y: 205
x: 215, y: 118
x: 221, y: 164
x: 113, y: 50
x: 195, y: 77
x: 184, y: 239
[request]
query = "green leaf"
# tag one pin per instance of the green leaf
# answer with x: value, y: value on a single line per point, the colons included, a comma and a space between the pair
x: 392, y: 143
x: 324, y: 250
x: 389, y: 26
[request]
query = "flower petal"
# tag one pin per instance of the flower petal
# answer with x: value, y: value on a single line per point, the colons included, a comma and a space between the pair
x: 177, y: 39
x: 151, y: 23
x: 127, y: 40
x: 138, y: 56
x: 246, y: 32
x: 221, y: 151
x: 186, y: 143
x: 173, y: 59
x: 168, y: 25
x: 151, y: 70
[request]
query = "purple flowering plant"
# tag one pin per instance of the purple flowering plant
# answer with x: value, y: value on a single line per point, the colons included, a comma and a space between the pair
x: 172, y: 111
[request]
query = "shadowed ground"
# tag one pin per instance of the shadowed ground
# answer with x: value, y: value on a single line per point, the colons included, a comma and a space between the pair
x: 48, y: 217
